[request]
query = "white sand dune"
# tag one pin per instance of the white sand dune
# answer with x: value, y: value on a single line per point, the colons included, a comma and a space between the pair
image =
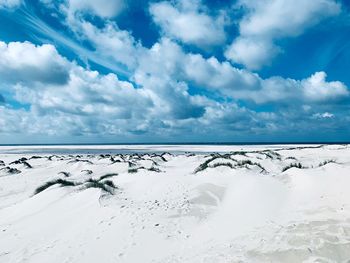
x: 237, y: 206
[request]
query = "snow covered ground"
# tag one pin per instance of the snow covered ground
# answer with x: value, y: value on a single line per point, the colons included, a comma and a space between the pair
x: 246, y: 204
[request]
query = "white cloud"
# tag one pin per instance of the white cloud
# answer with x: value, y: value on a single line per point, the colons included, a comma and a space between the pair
x: 87, y: 93
x: 222, y: 77
x: 185, y: 21
x: 316, y: 88
x: 27, y: 62
x: 156, y: 71
x: 211, y: 74
x: 107, y: 44
x: 160, y: 102
x: 102, y: 8
x: 9, y: 4
x: 266, y: 21
x: 325, y: 115
x: 110, y: 42
x: 252, y: 52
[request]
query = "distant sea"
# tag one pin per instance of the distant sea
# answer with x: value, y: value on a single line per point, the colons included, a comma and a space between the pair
x: 117, y: 148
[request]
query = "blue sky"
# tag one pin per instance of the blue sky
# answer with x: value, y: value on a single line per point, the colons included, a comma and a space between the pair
x: 102, y: 71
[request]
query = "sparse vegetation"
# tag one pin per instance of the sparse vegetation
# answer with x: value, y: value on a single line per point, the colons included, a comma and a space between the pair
x: 107, y: 186
x: 239, y: 164
x: 27, y: 165
x: 51, y: 157
x: 271, y: 154
x: 35, y: 157
x: 222, y: 164
x: 132, y: 170
x: 205, y: 165
x: 11, y: 170
x: 22, y: 161
x: 66, y: 174
x: 245, y: 163
x: 296, y: 165
x: 86, y: 171
x: 131, y: 164
x: 107, y: 176
x: 154, y: 169
x: 326, y: 162
x: 60, y: 182
x: 80, y: 160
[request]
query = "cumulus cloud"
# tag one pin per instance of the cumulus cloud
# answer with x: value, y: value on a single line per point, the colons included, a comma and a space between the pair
x: 316, y: 88
x: 88, y: 93
x: 111, y: 42
x: 106, y: 43
x: 252, y: 52
x: 325, y: 115
x: 10, y: 4
x: 170, y: 93
x: 231, y: 82
x: 101, y: 8
x: 267, y: 21
x: 27, y: 62
x: 159, y: 98
x: 188, y: 22
x: 92, y: 103
x: 221, y: 76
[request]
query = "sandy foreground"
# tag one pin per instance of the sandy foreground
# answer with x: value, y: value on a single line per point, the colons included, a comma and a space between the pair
x: 244, y: 204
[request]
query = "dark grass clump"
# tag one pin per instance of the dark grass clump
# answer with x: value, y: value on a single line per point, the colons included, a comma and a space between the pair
x: 103, y: 156
x: 23, y: 161
x: 61, y: 182
x: 110, y: 184
x: 80, y: 161
x: 326, y: 162
x: 154, y: 169
x: 136, y: 169
x: 11, y: 170
x: 239, y: 153
x: 272, y: 155
x: 132, y: 170
x: 246, y: 163
x: 35, y: 157
x: 296, y: 165
x: 131, y: 164
x: 137, y: 157
x: 2, y: 163
x: 66, y: 174
x: 154, y: 155
x: 27, y: 165
x: 106, y: 186
x: 290, y: 158
x: 52, y: 156
x: 239, y: 164
x: 223, y: 164
x: 107, y: 176
x: 154, y: 163
x: 205, y: 165
x: 112, y: 159
x: 162, y: 156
